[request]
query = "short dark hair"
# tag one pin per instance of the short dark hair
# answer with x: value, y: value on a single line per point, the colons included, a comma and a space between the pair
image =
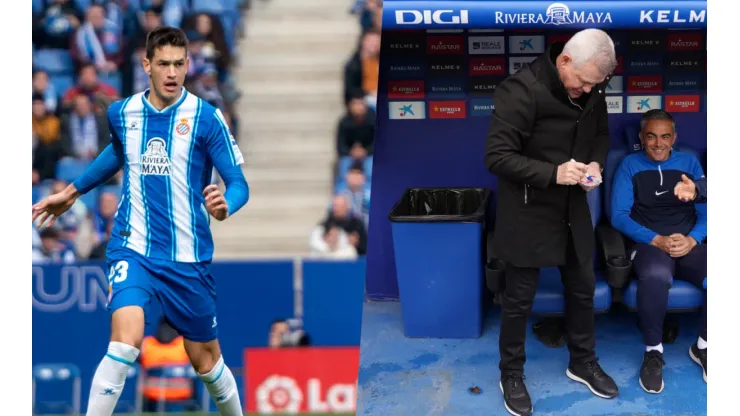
x: 656, y: 114
x: 164, y: 36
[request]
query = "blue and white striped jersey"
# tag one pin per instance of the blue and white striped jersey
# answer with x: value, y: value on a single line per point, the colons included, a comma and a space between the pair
x: 169, y: 157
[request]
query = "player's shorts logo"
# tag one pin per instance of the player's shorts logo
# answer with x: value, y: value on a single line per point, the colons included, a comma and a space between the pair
x: 278, y: 394
x: 155, y: 160
x: 183, y: 128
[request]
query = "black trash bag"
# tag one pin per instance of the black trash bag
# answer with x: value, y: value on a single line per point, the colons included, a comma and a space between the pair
x: 442, y: 205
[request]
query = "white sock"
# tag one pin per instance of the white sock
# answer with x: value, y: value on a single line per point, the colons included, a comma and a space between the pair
x: 221, y: 384
x: 701, y: 344
x: 107, y: 384
x: 658, y: 347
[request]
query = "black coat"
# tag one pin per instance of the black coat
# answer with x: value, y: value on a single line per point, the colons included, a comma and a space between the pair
x: 535, y: 128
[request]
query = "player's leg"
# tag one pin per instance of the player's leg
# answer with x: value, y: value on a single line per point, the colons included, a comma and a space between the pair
x: 193, y: 285
x: 129, y: 295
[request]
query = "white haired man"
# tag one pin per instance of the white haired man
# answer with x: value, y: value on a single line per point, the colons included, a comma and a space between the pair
x: 547, y: 144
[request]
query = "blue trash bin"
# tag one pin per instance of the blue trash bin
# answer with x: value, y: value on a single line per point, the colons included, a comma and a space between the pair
x: 438, y: 242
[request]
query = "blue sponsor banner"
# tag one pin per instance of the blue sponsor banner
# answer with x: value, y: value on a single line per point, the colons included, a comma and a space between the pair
x: 400, y: 68
x: 543, y: 14
x: 446, y: 88
x: 689, y: 82
x: 481, y: 107
x: 644, y: 64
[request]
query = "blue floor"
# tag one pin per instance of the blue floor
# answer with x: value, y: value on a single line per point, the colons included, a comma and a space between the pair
x: 401, y: 376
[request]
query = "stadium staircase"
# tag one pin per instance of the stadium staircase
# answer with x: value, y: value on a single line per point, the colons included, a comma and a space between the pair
x: 291, y: 75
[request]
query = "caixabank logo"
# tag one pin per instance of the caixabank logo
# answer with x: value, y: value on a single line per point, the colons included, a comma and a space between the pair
x: 406, y: 110
x: 643, y: 103
x: 616, y: 85
x: 523, y: 45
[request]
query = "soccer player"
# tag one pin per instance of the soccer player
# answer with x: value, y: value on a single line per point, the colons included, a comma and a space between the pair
x: 167, y: 141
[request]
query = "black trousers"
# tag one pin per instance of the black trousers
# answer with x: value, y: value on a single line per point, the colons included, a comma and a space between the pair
x: 655, y: 270
x: 521, y: 284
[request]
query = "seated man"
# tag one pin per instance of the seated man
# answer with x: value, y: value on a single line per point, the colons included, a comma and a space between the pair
x: 666, y: 235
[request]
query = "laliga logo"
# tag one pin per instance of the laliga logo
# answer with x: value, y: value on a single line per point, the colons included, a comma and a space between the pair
x: 415, y: 17
x: 281, y: 394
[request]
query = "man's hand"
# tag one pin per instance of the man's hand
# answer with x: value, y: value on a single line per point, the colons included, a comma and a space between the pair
x: 594, y: 172
x: 216, y: 203
x: 51, y: 207
x: 663, y: 243
x: 571, y: 173
x: 685, y: 190
x: 681, y: 245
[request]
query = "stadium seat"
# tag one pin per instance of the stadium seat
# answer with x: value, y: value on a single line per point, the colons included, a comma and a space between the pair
x: 113, y: 79
x: 62, y: 83
x: 38, y: 6
x: 69, y: 169
x: 550, y: 300
x: 682, y: 296
x: 214, y: 7
x: 60, y: 378
x: 54, y: 61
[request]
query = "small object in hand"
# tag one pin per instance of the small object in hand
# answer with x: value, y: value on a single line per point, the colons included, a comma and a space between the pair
x: 592, y: 179
x: 474, y: 390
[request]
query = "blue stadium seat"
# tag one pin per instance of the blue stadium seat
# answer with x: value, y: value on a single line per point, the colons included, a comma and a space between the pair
x: 69, y: 169
x: 54, y: 61
x: 56, y: 388
x: 62, y: 83
x: 550, y: 300
x: 82, y: 4
x: 113, y: 79
x: 38, y: 6
x: 682, y: 296
x: 214, y: 7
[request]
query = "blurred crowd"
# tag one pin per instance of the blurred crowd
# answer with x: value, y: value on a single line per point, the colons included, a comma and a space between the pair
x: 86, y: 55
x: 343, y: 232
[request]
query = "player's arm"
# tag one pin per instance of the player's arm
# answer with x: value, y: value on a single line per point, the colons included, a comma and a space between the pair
x: 227, y: 158
x: 110, y: 161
